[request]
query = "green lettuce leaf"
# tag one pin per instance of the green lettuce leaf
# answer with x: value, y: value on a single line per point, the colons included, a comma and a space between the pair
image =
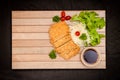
x: 83, y: 36
x: 93, y: 22
x: 52, y: 54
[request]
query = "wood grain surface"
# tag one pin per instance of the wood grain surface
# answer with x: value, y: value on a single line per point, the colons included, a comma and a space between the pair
x: 31, y: 46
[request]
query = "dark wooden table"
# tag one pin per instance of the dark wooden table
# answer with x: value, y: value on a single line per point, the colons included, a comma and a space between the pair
x: 112, y: 49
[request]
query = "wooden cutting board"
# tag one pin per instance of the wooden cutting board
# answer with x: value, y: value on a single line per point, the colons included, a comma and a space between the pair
x: 31, y: 46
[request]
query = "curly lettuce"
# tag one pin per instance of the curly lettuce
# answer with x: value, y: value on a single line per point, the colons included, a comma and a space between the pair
x: 93, y: 22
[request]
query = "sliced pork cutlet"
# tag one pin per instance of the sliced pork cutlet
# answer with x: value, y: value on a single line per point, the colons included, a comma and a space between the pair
x: 70, y: 54
x: 57, y: 31
x: 67, y: 47
x: 68, y: 50
x: 62, y: 41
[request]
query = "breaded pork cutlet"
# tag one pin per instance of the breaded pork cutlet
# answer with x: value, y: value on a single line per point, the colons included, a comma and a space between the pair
x: 68, y: 50
x: 70, y: 54
x: 57, y: 31
x: 67, y: 47
x: 61, y: 40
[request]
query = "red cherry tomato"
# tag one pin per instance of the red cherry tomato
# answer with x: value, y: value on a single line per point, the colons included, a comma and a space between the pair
x: 63, y: 14
x: 62, y: 18
x: 77, y: 33
x: 68, y: 17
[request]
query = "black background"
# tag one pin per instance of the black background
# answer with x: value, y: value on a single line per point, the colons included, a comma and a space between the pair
x: 113, y: 40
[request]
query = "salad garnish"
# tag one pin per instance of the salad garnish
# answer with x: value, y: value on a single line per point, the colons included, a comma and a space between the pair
x: 92, y: 22
x: 83, y: 36
x: 56, y: 18
x: 62, y: 17
x: 52, y: 54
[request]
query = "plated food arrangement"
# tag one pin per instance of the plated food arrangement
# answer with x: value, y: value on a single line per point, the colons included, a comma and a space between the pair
x: 69, y: 35
x: 68, y: 39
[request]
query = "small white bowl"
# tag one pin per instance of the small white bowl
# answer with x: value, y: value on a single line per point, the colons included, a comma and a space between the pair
x: 86, y: 63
